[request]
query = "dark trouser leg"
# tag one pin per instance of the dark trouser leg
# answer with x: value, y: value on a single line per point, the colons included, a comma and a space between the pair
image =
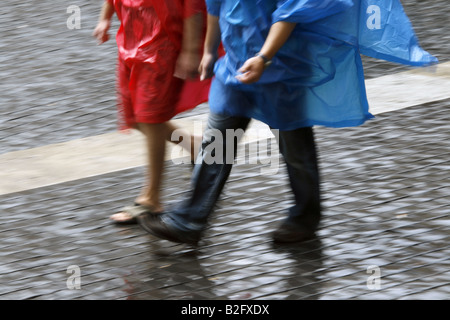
x: 211, y: 171
x: 299, y: 151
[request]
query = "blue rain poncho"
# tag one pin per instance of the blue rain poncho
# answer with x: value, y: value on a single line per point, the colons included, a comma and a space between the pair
x: 317, y: 77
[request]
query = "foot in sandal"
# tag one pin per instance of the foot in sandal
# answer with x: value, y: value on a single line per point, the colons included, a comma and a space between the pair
x: 129, y: 214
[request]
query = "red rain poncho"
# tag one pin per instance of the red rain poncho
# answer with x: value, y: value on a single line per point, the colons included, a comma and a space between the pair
x: 149, y: 41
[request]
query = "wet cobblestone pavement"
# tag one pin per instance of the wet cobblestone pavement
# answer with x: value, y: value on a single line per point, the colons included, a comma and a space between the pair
x: 59, y: 85
x: 385, y: 186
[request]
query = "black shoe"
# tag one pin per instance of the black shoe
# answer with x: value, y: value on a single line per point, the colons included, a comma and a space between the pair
x: 156, y: 226
x: 288, y: 233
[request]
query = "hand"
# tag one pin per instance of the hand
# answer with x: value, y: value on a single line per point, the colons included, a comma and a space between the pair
x: 251, y: 71
x: 206, y: 68
x: 101, y: 31
x: 187, y: 65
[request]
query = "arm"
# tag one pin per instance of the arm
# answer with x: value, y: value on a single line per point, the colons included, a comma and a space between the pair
x: 104, y: 22
x: 189, y: 58
x: 212, y: 43
x: 253, y: 68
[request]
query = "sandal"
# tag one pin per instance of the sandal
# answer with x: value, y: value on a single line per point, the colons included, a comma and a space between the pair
x: 133, y: 212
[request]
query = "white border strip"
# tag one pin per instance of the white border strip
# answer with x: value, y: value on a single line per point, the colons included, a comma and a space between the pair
x: 92, y: 156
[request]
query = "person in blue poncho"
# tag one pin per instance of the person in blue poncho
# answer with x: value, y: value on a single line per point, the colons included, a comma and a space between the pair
x: 292, y: 64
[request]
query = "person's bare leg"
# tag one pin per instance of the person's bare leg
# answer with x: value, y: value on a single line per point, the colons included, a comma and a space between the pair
x: 186, y: 140
x: 155, y: 134
x: 156, y: 137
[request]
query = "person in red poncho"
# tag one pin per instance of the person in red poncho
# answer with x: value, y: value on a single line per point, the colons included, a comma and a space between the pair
x: 159, y: 51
